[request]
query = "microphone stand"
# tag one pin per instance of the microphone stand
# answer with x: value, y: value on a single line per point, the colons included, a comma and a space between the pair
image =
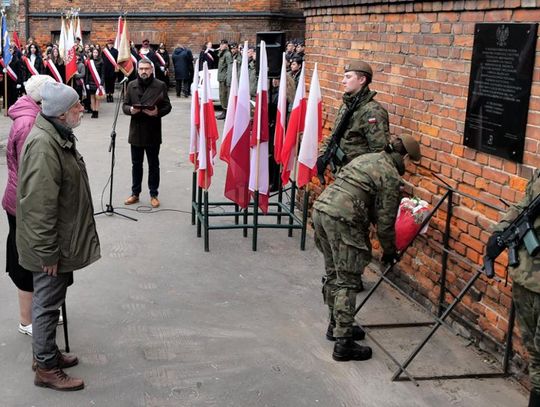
x: 112, y: 148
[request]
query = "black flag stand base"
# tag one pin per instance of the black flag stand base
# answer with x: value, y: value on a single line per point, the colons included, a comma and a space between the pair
x: 201, y: 214
x: 109, y: 208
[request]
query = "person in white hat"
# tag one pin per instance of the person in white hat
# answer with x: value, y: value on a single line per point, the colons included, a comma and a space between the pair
x: 23, y: 113
x: 56, y: 232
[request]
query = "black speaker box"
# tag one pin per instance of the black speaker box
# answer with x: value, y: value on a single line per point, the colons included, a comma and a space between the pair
x: 275, y: 47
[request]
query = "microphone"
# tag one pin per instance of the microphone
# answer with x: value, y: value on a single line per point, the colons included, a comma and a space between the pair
x: 123, y: 80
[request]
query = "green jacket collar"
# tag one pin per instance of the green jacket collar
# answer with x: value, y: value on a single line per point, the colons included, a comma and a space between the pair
x: 61, y: 134
x: 364, y: 94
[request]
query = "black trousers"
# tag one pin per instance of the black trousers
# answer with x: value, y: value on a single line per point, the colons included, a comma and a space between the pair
x: 137, y: 159
x: 183, y: 86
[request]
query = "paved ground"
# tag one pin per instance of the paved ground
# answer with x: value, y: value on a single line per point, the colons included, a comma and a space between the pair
x: 159, y: 322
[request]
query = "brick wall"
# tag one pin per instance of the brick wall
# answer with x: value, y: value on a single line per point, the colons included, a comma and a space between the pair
x: 192, y: 25
x: 420, y: 52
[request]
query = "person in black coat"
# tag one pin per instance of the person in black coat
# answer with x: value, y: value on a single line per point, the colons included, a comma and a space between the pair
x: 92, y: 86
x: 208, y: 55
x: 13, y: 86
x: 146, y: 101
x: 109, y: 70
x: 32, y: 57
x: 162, y: 51
x: 183, y: 69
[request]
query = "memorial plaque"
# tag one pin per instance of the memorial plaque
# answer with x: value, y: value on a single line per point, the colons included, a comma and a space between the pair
x: 499, y: 88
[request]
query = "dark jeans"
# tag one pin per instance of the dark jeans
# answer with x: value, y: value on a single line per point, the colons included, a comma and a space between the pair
x: 137, y: 159
x: 183, y: 86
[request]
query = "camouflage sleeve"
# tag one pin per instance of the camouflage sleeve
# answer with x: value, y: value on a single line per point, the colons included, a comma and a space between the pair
x: 387, y: 204
x: 325, y: 141
x: 515, y: 210
x: 374, y: 120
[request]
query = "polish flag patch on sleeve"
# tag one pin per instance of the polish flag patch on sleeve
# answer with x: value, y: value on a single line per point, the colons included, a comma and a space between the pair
x: 372, y: 120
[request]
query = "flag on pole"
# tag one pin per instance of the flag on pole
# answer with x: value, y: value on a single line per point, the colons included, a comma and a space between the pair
x: 237, y: 181
x: 307, y: 157
x: 70, y: 60
x: 77, y: 30
x: 16, y: 40
x: 195, y: 119
x: 118, y: 34
x: 207, y: 133
x: 281, y: 115
x: 225, y: 150
x: 259, y: 173
x: 62, y: 39
x: 6, y: 55
x: 125, y: 63
x: 294, y: 128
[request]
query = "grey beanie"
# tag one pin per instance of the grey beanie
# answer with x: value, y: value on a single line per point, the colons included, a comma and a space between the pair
x: 57, y: 98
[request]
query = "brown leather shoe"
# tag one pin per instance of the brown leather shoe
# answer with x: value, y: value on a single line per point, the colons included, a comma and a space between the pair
x: 154, y: 202
x: 57, y: 379
x: 131, y: 200
x: 64, y: 361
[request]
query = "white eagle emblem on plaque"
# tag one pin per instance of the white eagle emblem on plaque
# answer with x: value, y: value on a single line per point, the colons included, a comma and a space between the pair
x: 503, y: 32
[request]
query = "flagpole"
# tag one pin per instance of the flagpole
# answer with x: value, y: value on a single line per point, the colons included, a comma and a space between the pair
x: 257, y: 155
x: 194, y: 189
x: 293, y: 183
x: 5, y: 92
x: 206, y: 237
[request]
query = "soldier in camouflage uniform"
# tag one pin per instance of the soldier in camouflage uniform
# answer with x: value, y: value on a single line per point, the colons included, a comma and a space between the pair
x: 224, y: 76
x: 367, y: 131
x: 525, y: 288
x: 366, y: 191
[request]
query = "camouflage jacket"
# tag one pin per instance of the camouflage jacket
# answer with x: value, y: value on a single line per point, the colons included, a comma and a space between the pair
x: 367, y: 191
x: 367, y: 131
x: 225, y: 66
x: 527, y: 273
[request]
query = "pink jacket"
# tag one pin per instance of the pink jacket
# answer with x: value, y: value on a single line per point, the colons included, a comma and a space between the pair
x: 23, y: 113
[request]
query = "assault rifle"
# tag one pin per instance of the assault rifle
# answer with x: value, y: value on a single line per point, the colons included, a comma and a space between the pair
x: 334, y: 155
x: 520, y: 230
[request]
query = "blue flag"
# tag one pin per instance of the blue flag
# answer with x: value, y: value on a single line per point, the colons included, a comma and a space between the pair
x: 5, y: 42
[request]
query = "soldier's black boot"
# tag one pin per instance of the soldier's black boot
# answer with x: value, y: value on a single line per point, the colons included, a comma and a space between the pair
x: 534, y: 399
x: 357, y: 333
x: 346, y: 349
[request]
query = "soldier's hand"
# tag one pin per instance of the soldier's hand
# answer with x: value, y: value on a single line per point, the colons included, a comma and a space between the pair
x: 493, y: 249
x: 320, y: 167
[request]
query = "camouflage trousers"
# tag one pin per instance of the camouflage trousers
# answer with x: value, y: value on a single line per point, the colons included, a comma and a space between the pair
x: 528, y: 314
x: 347, y: 251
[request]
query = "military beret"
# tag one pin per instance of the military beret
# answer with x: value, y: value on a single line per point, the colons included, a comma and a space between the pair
x: 359, y: 66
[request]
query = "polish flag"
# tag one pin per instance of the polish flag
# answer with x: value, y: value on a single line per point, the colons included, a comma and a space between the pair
x: 207, y: 133
x: 118, y: 34
x: 62, y: 39
x: 259, y: 173
x: 225, y: 150
x: 294, y: 129
x: 281, y: 115
x: 125, y: 63
x: 77, y: 29
x: 70, y: 60
x: 237, y: 181
x: 307, y: 157
x: 195, y: 119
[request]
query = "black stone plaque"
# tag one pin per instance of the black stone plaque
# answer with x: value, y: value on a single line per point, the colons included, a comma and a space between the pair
x: 499, y: 88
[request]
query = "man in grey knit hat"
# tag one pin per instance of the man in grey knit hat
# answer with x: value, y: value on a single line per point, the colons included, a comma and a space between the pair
x: 56, y: 232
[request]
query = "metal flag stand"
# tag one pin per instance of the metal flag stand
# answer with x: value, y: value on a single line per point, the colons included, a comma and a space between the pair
x: 443, y: 310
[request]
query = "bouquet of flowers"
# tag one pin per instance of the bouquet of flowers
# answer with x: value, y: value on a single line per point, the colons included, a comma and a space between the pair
x: 411, y: 214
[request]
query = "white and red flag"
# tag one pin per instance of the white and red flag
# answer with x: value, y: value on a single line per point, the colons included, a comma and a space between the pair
x: 259, y: 173
x: 237, y: 181
x: 62, y: 39
x: 125, y: 63
x: 294, y: 128
x: 77, y: 28
x: 208, y: 133
x: 195, y: 120
x: 307, y: 157
x: 281, y: 115
x: 225, y: 149
x: 70, y: 60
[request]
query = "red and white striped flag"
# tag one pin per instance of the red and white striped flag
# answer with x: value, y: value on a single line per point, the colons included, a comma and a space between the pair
x: 281, y: 115
x: 294, y: 128
x: 70, y: 60
x: 208, y: 133
x: 259, y: 174
x: 225, y: 150
x: 195, y: 119
x: 307, y: 157
x: 237, y: 181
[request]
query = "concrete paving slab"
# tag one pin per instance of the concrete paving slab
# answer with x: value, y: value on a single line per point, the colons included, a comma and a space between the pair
x: 159, y: 322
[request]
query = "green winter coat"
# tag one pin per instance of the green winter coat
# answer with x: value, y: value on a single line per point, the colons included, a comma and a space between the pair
x: 527, y: 273
x: 55, y: 215
x: 367, y: 131
x: 367, y: 187
x: 225, y: 66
